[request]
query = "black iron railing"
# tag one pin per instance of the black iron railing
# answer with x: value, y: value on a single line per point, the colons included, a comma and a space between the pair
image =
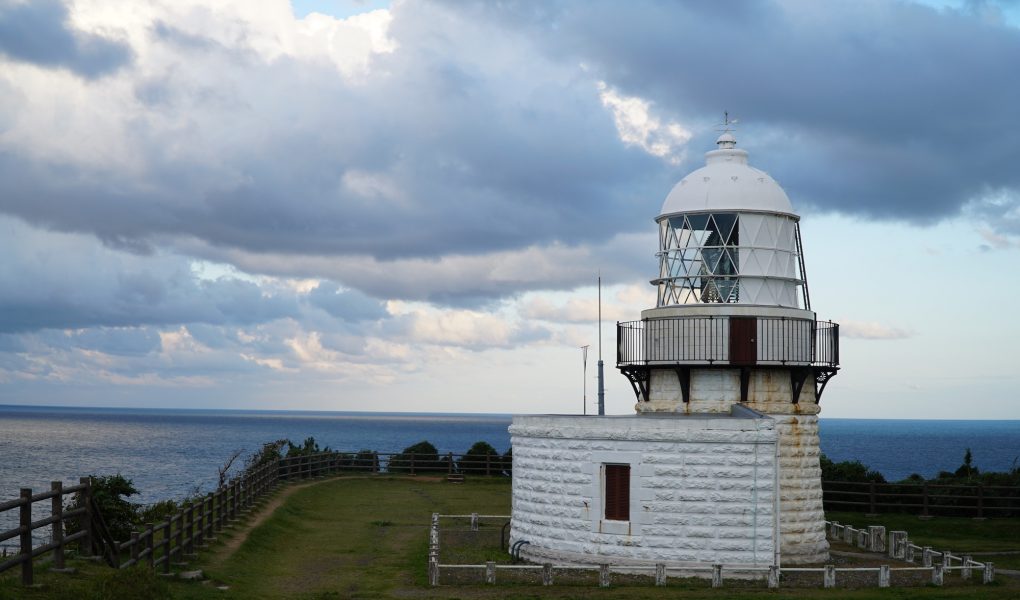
x: 724, y: 340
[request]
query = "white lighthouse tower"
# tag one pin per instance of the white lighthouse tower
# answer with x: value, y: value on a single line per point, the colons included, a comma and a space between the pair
x: 720, y: 463
x: 733, y: 324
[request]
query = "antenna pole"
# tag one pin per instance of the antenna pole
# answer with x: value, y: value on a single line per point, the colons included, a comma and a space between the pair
x: 584, y: 379
x: 602, y: 382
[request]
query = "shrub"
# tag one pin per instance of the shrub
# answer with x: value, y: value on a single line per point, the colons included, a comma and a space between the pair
x: 849, y: 470
x: 109, y: 493
x: 425, y: 455
x: 477, y: 457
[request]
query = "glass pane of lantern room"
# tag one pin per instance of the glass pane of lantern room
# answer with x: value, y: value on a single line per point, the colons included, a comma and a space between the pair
x: 725, y: 224
x: 699, y: 228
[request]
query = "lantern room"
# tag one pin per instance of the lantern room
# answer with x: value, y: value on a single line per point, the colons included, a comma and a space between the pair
x: 728, y: 235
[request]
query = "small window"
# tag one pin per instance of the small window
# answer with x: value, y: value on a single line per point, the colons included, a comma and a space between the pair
x: 617, y: 492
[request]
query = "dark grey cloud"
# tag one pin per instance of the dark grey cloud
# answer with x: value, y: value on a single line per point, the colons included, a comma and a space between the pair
x: 39, y: 32
x: 444, y: 154
x: 72, y: 282
x: 348, y: 305
x: 886, y: 110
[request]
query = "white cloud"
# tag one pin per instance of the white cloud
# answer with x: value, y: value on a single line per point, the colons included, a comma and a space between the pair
x: 870, y: 330
x: 638, y: 127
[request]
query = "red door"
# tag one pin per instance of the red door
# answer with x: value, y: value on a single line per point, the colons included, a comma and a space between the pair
x: 743, y: 340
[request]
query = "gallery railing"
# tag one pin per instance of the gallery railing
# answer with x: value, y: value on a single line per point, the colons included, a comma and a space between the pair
x: 716, y: 340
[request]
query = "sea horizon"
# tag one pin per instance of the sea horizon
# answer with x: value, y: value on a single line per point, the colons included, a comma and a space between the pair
x: 413, y: 413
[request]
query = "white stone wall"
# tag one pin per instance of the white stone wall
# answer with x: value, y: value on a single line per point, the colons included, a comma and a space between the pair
x: 714, y: 391
x: 702, y: 489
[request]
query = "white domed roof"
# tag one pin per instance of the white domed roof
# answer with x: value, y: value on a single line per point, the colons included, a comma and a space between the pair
x: 727, y: 183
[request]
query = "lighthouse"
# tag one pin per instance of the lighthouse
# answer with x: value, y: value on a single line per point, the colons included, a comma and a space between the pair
x: 719, y: 464
x: 733, y: 324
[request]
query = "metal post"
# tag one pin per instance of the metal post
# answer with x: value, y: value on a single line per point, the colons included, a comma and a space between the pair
x: 989, y: 575
x: 602, y: 381
x: 829, y: 578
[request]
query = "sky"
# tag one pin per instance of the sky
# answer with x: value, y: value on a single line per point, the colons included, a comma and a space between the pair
x: 405, y: 206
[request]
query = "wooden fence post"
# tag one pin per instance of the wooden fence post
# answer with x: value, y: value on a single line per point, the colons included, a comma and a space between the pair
x: 85, y: 545
x: 190, y: 547
x: 149, y: 535
x: 449, y: 463
x: 168, y: 539
x: 924, y: 492
x: 135, y: 542
x: 871, y: 500
x: 412, y: 472
x: 375, y: 461
x: 57, y: 529
x: 981, y: 501
x: 25, y: 522
x: 488, y: 465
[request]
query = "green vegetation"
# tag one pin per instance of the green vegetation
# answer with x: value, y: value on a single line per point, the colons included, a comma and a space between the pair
x: 366, y: 537
x: 425, y: 455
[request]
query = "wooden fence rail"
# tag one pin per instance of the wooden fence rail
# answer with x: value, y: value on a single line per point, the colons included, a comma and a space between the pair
x: 926, y: 499
x: 161, y: 545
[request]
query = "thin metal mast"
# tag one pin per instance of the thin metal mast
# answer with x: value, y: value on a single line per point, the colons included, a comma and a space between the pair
x: 602, y: 383
x: 584, y: 378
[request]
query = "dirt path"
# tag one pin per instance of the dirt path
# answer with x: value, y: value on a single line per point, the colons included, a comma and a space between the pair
x: 230, y: 544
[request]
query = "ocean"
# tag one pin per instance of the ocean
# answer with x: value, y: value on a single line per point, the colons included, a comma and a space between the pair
x: 168, y: 453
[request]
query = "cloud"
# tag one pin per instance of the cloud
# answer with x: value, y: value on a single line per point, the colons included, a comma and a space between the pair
x: 40, y: 32
x: 871, y: 108
x: 870, y: 330
x: 452, y: 137
x: 67, y: 281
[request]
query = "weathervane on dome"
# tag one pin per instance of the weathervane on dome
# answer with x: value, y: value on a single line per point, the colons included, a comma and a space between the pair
x: 728, y: 123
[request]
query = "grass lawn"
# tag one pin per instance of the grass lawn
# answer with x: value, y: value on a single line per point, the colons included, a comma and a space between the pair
x: 366, y: 537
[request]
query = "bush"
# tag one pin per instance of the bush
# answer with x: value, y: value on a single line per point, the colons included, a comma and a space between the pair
x: 109, y: 493
x: 849, y: 470
x: 476, y: 458
x: 425, y: 455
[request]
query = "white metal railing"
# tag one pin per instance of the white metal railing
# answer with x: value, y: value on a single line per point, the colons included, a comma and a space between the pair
x: 870, y: 539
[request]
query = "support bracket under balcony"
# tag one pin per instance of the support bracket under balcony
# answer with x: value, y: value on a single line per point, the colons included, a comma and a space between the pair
x: 822, y: 377
x: 745, y: 382
x: 683, y: 374
x: 639, y: 379
x: 798, y: 375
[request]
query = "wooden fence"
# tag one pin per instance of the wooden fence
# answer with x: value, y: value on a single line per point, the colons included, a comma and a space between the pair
x: 160, y: 545
x: 926, y: 499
